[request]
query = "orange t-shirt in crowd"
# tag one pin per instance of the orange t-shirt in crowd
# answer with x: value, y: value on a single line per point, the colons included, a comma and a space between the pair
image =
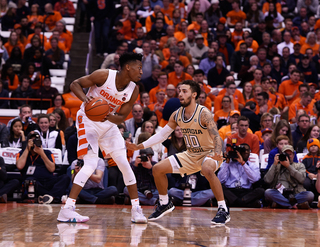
x: 166, y: 53
x: 67, y: 39
x: 65, y: 110
x: 207, y: 90
x: 152, y: 94
x: 149, y: 23
x: 221, y: 114
x: 205, y: 39
x: 317, y: 25
x: 34, y: 19
x: 179, y: 36
x: 237, y: 95
x: 163, y: 41
x: 30, y: 36
x: 224, y: 50
x: 253, y: 82
x: 236, y: 37
x: 208, y: 103
x: 251, y: 139
x: 194, y: 26
x: 301, y: 42
x: 175, y: 80
x: 218, y: 103
x: 163, y: 64
x: 317, y: 96
x: 236, y: 16
x: 270, y: 105
x: 296, y: 105
x: 265, y: 7
x: 130, y: 34
x: 306, y: 46
x: 168, y: 11
x: 9, y: 47
x: 15, y: 83
x: 272, y: 99
x: 281, y: 101
x: 158, y: 113
x: 288, y: 88
x: 53, y: 19
x: 259, y: 135
x: 253, y: 48
x: 73, y: 103
x: 37, y: 83
x: 225, y: 131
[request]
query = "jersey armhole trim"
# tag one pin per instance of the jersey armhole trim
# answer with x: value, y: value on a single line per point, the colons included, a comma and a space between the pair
x: 200, y: 118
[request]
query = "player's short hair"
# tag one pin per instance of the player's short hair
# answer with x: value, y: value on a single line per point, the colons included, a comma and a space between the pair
x: 129, y: 57
x: 194, y: 86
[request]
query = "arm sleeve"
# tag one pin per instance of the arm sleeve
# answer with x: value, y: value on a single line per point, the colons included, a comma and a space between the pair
x: 159, y: 137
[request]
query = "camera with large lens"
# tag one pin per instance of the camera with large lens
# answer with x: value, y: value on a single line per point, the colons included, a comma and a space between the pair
x: 146, y: 191
x: 283, y: 156
x: 80, y: 163
x: 289, y: 194
x: 232, y: 154
x: 37, y: 141
x: 144, y: 157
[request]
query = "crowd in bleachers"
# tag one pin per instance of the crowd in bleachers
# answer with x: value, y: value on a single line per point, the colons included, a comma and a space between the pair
x: 256, y: 60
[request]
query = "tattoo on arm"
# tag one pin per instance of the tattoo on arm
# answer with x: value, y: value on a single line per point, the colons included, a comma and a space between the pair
x: 207, y: 121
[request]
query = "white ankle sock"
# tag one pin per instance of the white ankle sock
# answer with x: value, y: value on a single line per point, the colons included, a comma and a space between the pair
x: 70, y: 203
x: 135, y: 202
x: 223, y: 205
x: 164, y: 199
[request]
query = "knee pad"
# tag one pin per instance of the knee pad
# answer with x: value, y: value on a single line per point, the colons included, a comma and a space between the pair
x: 90, y: 164
x: 120, y: 157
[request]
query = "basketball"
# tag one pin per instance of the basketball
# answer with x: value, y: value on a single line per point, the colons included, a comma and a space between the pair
x: 97, y: 109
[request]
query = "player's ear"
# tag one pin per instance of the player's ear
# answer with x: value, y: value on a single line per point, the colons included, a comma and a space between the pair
x: 127, y: 67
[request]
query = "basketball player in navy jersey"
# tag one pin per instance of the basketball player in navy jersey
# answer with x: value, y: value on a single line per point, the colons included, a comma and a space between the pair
x: 119, y: 90
x: 204, y: 147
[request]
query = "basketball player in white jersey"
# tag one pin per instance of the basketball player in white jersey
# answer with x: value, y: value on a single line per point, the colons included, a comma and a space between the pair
x: 203, y: 153
x: 119, y: 90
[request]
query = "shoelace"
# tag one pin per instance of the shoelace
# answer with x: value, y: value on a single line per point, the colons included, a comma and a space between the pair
x: 221, y: 212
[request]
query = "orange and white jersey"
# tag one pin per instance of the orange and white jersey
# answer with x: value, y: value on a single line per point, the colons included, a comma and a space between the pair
x: 109, y: 92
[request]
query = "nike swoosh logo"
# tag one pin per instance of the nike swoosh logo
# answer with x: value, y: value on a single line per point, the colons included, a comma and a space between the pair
x: 130, y: 180
x: 108, y: 88
x: 82, y: 182
x: 99, y: 100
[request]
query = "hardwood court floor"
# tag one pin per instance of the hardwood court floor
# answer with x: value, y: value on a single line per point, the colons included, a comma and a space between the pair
x: 36, y: 225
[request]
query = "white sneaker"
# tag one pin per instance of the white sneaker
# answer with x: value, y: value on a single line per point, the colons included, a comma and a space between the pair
x: 137, y: 215
x: 69, y: 215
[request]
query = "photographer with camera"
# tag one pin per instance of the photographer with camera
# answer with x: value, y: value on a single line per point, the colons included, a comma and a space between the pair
x: 244, y: 137
x: 37, y: 165
x: 142, y: 169
x: 286, y: 180
x: 25, y: 115
x: 237, y: 175
x: 96, y: 188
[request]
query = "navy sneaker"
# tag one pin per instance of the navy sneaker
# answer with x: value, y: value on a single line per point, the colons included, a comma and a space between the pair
x: 221, y: 217
x: 161, y: 210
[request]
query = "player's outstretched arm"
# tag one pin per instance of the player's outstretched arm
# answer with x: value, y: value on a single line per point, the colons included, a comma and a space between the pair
x: 97, y: 77
x: 161, y: 136
x: 207, y: 121
x: 125, y: 109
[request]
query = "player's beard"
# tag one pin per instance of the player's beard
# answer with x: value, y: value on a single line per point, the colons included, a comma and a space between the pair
x: 186, y: 102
